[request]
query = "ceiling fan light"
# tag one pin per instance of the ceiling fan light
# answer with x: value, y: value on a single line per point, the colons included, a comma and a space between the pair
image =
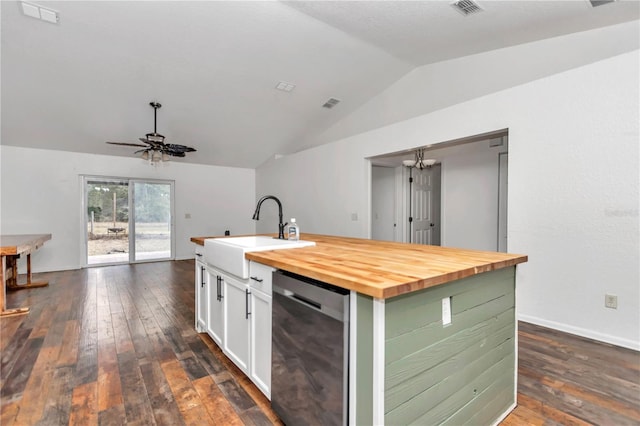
x: 165, y: 157
x: 145, y: 155
x: 156, y: 156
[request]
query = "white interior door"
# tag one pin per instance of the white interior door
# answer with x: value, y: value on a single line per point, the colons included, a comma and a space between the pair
x: 383, y: 209
x: 422, y: 205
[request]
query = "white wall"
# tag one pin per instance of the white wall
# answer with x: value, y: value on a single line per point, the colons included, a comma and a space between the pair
x: 383, y: 189
x: 573, y: 189
x: 41, y: 193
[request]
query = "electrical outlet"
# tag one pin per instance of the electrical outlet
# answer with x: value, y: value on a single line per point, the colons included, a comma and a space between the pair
x: 611, y: 301
x: 446, y: 311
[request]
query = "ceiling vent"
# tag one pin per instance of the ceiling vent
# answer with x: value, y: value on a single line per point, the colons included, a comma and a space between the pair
x: 466, y: 7
x: 285, y: 87
x: 596, y: 3
x: 40, y: 12
x: 331, y: 103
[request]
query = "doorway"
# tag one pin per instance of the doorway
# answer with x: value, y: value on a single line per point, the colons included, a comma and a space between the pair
x: 472, y: 191
x: 127, y: 220
x: 423, y: 212
x: 392, y: 206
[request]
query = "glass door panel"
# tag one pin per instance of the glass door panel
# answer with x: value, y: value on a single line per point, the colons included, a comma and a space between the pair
x: 152, y: 224
x: 107, y: 221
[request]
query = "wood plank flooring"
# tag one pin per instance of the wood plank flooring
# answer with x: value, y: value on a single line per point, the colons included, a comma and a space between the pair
x: 117, y: 345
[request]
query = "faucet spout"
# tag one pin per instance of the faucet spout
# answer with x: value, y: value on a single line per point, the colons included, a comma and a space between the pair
x: 256, y: 214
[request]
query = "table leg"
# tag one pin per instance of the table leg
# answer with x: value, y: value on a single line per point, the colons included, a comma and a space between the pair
x: 3, y: 295
x: 12, y: 284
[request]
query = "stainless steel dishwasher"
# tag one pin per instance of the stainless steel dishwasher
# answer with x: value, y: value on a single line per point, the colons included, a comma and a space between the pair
x: 310, y: 351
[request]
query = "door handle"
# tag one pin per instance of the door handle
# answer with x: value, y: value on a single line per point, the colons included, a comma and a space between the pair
x: 246, y: 303
x: 219, y: 289
x: 257, y: 279
x: 202, y: 276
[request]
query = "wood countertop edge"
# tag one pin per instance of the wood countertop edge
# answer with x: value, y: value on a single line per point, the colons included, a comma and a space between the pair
x: 388, y: 290
x: 383, y: 289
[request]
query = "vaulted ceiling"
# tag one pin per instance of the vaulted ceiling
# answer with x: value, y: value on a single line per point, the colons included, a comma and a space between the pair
x: 215, y: 65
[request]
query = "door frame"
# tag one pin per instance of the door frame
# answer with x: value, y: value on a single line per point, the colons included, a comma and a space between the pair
x: 83, y: 179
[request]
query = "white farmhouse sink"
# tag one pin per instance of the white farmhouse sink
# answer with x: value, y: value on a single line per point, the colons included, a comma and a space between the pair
x: 228, y: 253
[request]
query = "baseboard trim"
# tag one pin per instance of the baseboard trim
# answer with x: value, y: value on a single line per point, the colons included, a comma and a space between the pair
x: 583, y: 332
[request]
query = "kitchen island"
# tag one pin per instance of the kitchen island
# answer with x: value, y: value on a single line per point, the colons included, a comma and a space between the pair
x: 432, y: 329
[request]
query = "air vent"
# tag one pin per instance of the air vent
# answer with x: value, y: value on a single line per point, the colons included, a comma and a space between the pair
x: 466, y: 7
x: 596, y: 3
x: 285, y: 87
x: 331, y: 103
x: 40, y: 12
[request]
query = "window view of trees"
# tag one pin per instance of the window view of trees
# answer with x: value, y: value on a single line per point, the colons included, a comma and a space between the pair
x: 152, y: 203
x: 100, y: 201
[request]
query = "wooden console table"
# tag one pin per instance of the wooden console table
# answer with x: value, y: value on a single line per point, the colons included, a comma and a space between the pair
x: 11, y: 248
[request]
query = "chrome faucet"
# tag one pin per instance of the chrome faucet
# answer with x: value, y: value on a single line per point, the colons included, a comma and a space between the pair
x: 256, y: 214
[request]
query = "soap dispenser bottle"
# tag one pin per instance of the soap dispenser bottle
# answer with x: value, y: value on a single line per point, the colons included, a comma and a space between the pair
x: 294, y: 230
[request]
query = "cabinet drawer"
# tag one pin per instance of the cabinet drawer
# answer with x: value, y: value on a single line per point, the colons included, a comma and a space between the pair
x: 260, y: 276
x: 199, y: 253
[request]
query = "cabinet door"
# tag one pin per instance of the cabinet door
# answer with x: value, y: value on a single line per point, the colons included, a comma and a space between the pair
x: 261, y: 341
x: 202, y: 297
x: 236, y: 322
x: 215, y: 319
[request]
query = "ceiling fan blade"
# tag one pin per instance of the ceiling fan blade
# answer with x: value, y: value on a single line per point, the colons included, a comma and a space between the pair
x: 175, y: 153
x: 181, y: 148
x: 125, y: 144
x: 145, y: 141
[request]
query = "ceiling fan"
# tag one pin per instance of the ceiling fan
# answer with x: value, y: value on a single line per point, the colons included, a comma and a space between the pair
x: 155, y: 148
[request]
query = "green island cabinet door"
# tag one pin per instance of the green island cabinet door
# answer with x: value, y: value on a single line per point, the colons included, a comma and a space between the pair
x: 459, y: 373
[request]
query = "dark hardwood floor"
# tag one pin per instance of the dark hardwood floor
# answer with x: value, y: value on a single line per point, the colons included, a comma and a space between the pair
x: 116, y: 345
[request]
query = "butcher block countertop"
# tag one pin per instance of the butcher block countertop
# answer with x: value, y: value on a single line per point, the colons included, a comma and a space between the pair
x: 380, y: 269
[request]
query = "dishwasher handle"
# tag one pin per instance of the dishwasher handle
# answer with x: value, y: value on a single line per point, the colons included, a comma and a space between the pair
x: 340, y: 313
x: 306, y: 301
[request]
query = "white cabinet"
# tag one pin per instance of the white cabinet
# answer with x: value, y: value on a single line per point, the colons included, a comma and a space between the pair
x: 236, y: 335
x: 202, y: 294
x: 260, y: 332
x: 236, y: 314
x: 215, y: 317
x: 261, y: 341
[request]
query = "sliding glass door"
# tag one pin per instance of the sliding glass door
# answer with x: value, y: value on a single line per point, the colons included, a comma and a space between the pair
x: 127, y: 220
